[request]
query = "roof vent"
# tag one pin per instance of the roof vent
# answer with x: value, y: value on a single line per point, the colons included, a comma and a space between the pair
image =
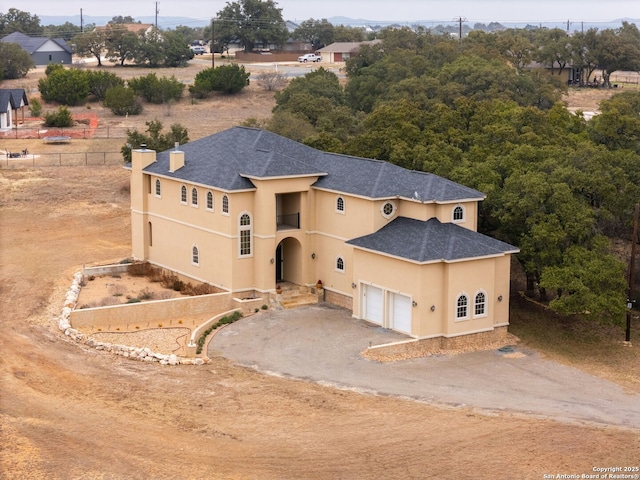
x: 176, y: 146
x: 143, y: 146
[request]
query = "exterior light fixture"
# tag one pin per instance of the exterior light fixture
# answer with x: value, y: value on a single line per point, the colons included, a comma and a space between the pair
x: 313, y: 256
x: 272, y: 260
x: 500, y: 298
x: 433, y: 308
x: 353, y: 285
x: 414, y: 303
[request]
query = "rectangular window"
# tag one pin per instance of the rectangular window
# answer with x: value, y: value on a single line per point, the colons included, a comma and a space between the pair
x: 245, y: 242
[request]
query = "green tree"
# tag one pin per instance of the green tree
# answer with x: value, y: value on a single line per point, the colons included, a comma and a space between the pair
x: 588, y: 281
x: 252, y: 22
x: 100, y: 81
x: 154, y: 139
x: 157, y: 90
x: 122, y: 101
x: 18, y: 21
x: 618, y: 126
x: 65, y: 86
x: 176, y: 50
x: 121, y: 44
x: 319, y: 33
x: 90, y: 44
x: 150, y: 48
x: 617, y: 49
x: 65, y: 31
x: 227, y: 79
x: 14, y: 61
x: 343, y: 33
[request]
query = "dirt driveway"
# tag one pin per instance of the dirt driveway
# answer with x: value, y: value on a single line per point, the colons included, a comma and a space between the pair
x: 323, y: 344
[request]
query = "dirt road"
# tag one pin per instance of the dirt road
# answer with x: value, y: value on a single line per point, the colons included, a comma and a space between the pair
x: 71, y: 413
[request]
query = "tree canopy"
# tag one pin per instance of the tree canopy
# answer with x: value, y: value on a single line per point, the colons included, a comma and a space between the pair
x: 251, y: 22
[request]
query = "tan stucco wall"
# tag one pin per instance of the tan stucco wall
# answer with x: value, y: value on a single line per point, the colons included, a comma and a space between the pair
x: 149, y: 314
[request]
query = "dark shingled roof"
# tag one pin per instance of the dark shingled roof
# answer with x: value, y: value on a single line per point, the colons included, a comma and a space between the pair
x: 12, y: 97
x: 229, y: 159
x: 431, y: 241
x: 31, y: 44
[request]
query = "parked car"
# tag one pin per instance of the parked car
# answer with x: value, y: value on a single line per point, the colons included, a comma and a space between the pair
x: 197, y: 49
x: 309, y: 57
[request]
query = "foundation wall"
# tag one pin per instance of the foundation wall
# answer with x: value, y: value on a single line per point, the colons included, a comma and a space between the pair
x: 438, y: 345
x: 338, y: 299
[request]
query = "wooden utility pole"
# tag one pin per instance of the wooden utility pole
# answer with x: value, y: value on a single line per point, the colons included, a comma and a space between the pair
x: 460, y: 21
x: 632, y: 271
x: 213, y: 43
x: 156, y: 15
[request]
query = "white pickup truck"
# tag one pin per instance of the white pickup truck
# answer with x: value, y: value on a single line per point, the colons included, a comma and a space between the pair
x: 309, y: 57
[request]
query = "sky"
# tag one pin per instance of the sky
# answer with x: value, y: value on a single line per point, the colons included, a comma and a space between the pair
x: 485, y: 11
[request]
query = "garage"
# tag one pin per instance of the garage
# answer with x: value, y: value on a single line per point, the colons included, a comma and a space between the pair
x: 400, y: 312
x: 373, y: 301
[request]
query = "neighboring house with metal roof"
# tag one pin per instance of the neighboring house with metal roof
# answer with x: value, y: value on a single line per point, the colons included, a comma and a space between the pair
x: 245, y: 209
x: 12, y: 102
x: 43, y: 50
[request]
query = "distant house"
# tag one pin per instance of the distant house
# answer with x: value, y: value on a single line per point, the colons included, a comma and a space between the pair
x: 43, y: 50
x: 130, y: 27
x: 12, y: 101
x: 342, y: 51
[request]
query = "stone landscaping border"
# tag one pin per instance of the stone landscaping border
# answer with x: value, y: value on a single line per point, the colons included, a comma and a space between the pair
x: 134, y: 353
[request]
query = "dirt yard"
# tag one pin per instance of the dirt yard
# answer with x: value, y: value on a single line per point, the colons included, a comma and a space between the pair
x: 67, y: 412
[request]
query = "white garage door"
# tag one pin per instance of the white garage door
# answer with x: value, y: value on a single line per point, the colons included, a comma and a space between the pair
x: 374, y: 311
x: 400, y: 312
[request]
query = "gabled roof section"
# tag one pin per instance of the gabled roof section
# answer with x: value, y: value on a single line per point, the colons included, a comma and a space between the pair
x: 346, y: 47
x: 431, y: 241
x: 12, y: 97
x: 32, y: 44
x: 231, y: 159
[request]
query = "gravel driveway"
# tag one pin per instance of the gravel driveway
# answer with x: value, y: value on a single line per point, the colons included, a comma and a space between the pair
x: 323, y: 344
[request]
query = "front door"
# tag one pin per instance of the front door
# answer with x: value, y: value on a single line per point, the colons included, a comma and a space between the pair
x: 279, y: 261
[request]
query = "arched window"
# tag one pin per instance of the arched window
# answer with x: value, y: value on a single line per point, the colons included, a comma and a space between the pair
x: 480, y: 304
x: 209, y: 201
x: 225, y: 204
x: 158, y: 188
x: 458, y: 214
x: 194, y: 197
x: 195, y: 255
x: 340, y: 264
x: 245, y: 235
x: 462, y: 306
x: 183, y: 194
x: 340, y: 205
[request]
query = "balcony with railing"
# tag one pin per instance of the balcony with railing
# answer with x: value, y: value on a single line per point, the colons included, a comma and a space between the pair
x: 288, y: 211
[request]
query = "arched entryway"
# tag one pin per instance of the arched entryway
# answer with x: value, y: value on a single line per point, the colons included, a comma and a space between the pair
x: 289, y: 261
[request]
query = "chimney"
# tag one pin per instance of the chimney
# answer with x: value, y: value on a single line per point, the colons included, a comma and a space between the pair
x: 176, y: 159
x: 142, y: 157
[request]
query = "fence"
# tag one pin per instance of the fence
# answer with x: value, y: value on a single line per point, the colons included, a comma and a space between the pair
x: 75, y: 132
x: 64, y: 160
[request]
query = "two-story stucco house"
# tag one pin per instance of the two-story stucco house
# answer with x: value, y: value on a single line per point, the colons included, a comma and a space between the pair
x: 245, y: 209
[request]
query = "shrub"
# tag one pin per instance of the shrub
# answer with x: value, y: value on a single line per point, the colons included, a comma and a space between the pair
x: 61, y: 118
x: 155, y: 90
x: 35, y: 107
x: 271, y: 81
x: 68, y: 87
x: 122, y: 101
x: 226, y: 320
x: 146, y: 294
x: 227, y: 79
x: 100, y: 82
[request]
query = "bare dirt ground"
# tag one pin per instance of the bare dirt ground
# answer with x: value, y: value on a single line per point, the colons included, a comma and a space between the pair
x: 71, y: 413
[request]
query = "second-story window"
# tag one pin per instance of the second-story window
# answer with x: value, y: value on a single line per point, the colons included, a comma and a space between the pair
x: 194, y: 197
x: 340, y: 205
x: 225, y: 204
x: 209, y: 201
x: 183, y: 194
x: 158, y: 188
x: 458, y: 214
x: 245, y: 235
